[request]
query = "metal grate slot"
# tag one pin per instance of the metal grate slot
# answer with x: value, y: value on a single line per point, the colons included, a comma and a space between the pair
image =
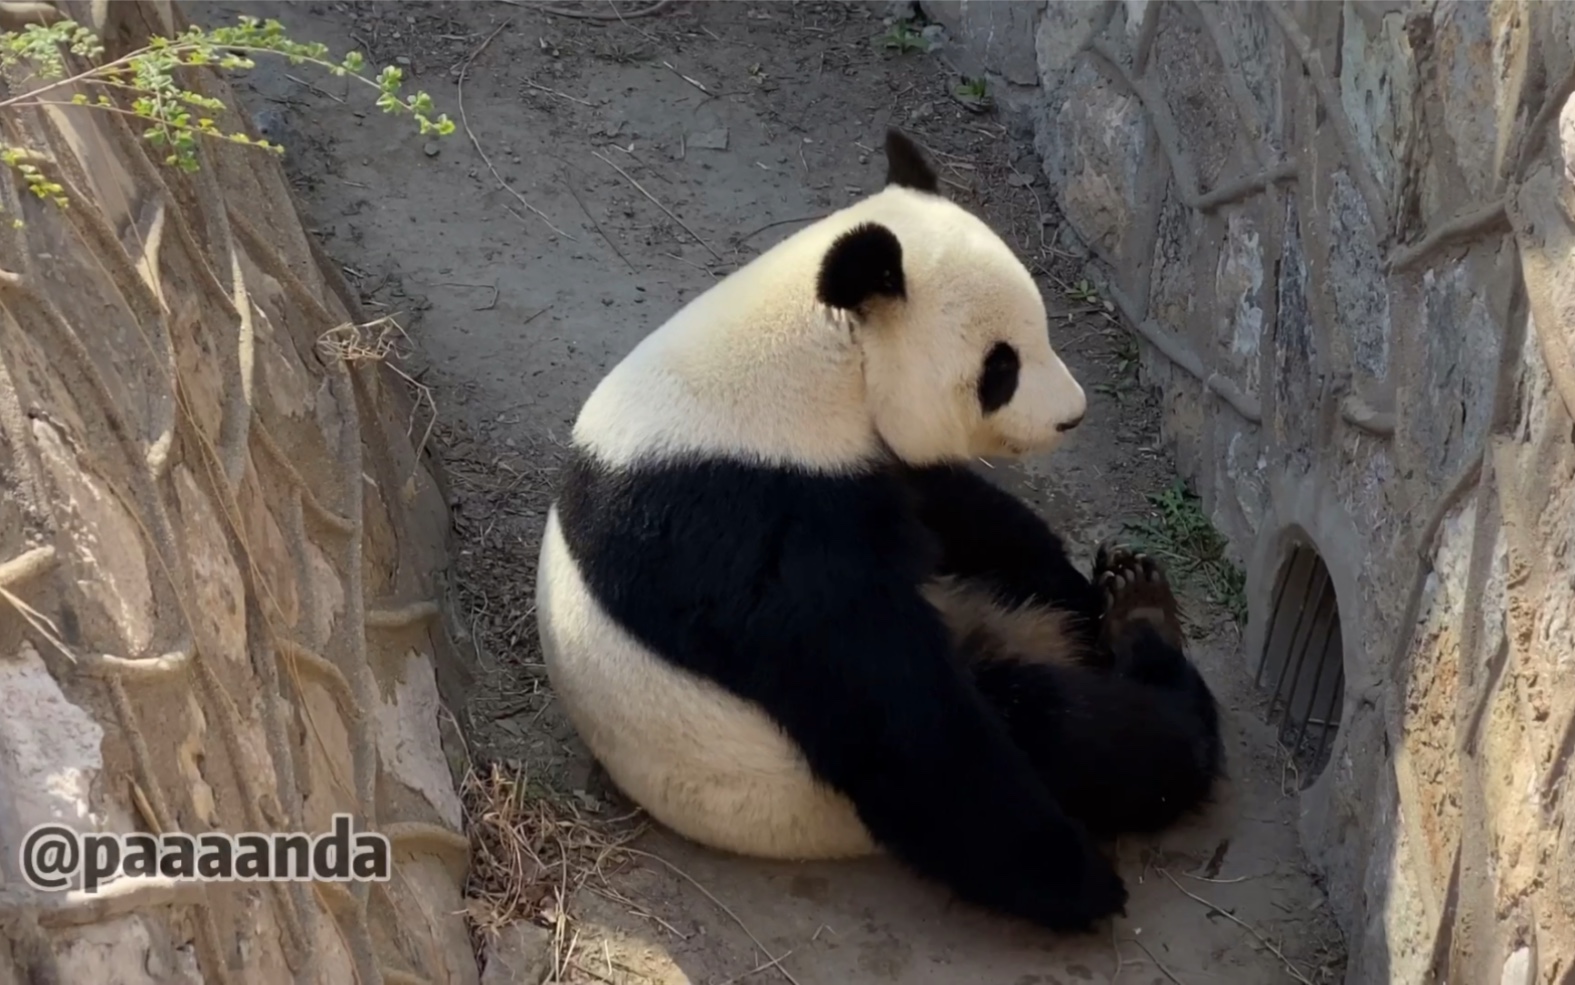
x: 1302, y: 665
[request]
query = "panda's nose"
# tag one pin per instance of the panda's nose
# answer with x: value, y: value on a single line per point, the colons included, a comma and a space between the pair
x: 1066, y: 426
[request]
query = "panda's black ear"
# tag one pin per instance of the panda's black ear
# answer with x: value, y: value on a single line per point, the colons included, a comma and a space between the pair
x: 906, y: 166
x: 863, y: 263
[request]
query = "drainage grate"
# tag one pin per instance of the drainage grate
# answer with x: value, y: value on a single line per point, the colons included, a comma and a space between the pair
x: 1303, y: 661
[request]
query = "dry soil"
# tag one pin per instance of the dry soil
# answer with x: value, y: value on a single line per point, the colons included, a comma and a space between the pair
x: 616, y: 169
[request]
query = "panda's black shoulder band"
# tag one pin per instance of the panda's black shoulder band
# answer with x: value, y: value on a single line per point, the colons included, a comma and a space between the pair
x: 863, y: 263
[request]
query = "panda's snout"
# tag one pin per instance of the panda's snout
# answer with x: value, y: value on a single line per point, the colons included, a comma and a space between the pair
x: 1066, y: 426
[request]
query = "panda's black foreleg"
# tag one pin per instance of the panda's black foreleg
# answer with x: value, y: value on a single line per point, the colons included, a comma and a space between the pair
x: 986, y: 533
x: 1132, y: 748
x: 884, y: 713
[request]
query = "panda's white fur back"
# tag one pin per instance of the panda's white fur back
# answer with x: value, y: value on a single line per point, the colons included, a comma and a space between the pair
x: 710, y: 766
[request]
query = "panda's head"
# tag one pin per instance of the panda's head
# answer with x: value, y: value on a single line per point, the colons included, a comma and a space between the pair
x: 956, y: 347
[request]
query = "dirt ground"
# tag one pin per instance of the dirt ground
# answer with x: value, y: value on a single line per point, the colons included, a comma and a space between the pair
x: 643, y: 158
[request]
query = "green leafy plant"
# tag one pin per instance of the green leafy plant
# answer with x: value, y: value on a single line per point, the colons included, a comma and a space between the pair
x: 904, y: 38
x: 1179, y: 533
x: 144, y: 85
x: 1126, y: 355
x: 973, y: 89
x: 1083, y: 292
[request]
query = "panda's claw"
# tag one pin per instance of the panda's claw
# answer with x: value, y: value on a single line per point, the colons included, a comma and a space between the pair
x: 1102, y: 559
x: 1107, y: 558
x: 1138, y: 592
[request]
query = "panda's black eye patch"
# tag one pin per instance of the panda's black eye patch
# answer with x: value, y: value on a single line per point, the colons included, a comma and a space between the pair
x: 998, y: 377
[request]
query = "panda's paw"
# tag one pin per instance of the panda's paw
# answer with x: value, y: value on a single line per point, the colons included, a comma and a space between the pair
x: 1136, y: 592
x: 1099, y: 894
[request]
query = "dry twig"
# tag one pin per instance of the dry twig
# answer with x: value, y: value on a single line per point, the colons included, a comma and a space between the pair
x: 773, y: 961
x: 592, y: 15
x: 464, y: 119
x: 568, y: 183
x: 1290, y: 968
x: 1157, y: 962
x: 658, y: 203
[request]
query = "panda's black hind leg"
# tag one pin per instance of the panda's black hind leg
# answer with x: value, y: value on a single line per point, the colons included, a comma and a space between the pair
x: 1131, y: 747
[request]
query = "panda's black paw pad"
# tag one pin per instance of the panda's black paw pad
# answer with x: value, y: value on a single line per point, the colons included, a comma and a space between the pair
x: 1136, y: 591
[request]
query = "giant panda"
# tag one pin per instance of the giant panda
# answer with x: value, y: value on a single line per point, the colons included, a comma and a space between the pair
x: 791, y: 621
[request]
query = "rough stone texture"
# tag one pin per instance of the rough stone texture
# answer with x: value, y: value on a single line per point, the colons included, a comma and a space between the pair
x: 1001, y: 37
x: 210, y: 622
x: 520, y: 955
x: 1395, y: 311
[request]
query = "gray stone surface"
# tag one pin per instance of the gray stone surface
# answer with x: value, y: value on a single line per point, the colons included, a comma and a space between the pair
x: 1001, y: 36
x: 1355, y: 276
x: 520, y: 954
x: 1404, y: 309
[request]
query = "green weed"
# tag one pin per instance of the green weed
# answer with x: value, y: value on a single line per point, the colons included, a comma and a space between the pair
x: 1178, y: 533
x: 973, y: 89
x: 1083, y: 293
x: 902, y: 37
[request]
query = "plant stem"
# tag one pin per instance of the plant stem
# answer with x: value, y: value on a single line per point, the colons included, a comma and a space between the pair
x: 126, y: 60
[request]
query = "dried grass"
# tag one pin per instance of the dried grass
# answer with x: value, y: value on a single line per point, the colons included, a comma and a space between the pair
x: 385, y: 341
x: 530, y: 854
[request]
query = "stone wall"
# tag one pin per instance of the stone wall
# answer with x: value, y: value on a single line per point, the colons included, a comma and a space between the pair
x: 1346, y: 233
x: 219, y: 551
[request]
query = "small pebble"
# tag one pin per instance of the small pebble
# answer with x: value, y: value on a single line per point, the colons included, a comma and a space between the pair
x: 430, y: 148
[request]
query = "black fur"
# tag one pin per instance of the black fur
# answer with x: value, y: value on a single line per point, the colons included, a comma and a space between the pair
x: 906, y: 165
x: 864, y: 262
x: 1128, y: 743
x: 988, y: 535
x: 998, y: 377
x: 1120, y: 754
x: 800, y: 593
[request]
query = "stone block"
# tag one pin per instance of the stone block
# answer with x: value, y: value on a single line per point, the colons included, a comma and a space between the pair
x: 1239, y: 297
x: 1366, y: 480
x: 129, y: 950
x: 52, y: 746
x: 1480, y: 58
x: 1377, y: 79
x: 1520, y: 968
x: 521, y: 955
x: 994, y: 36
x: 1453, y: 402
x: 1173, y: 275
x: 1064, y: 28
x: 107, y: 561
x: 1252, y: 44
x: 269, y: 550
x: 1240, y: 480
x: 1298, y: 380
x: 1356, y: 280
x: 1095, y: 149
x: 1187, y: 74
x: 1433, y: 691
x: 216, y: 577
x: 408, y: 741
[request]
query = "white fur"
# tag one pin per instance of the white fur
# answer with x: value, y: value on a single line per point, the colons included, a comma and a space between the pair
x: 708, y: 765
x: 756, y: 368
